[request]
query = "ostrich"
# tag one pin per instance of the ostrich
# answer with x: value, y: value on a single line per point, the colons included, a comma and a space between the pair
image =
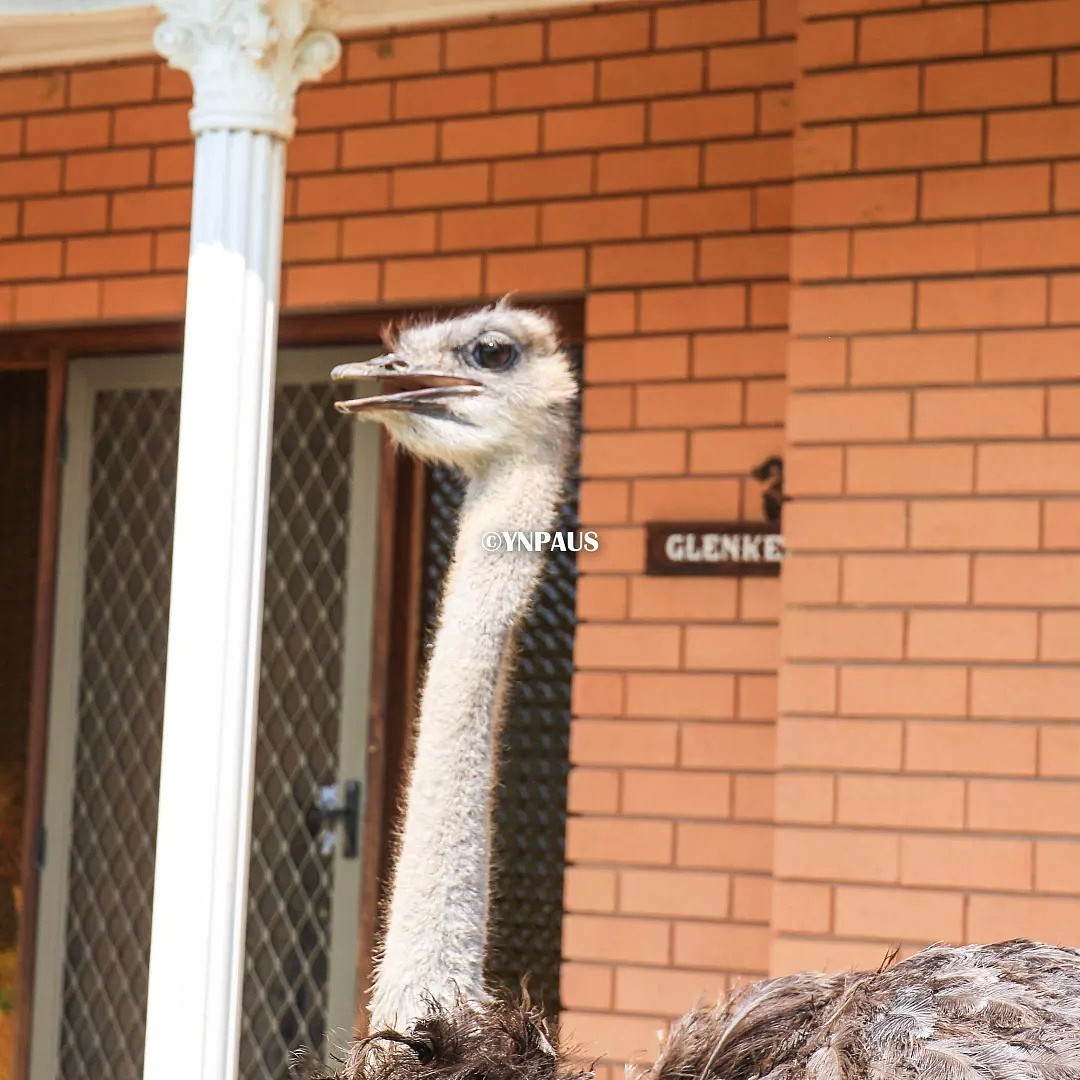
x: 490, y: 393
x: 1009, y: 1011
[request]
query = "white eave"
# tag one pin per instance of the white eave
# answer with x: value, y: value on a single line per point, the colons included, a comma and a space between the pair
x: 52, y: 33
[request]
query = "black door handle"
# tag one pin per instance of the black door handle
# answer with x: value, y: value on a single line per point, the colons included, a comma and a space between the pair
x: 330, y: 808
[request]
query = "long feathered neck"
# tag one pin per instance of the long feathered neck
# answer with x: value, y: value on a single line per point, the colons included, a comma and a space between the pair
x: 434, y: 946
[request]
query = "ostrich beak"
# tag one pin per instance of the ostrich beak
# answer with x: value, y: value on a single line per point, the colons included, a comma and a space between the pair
x: 408, y: 389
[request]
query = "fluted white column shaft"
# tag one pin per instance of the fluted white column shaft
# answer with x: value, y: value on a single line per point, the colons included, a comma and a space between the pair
x: 211, y: 693
x: 246, y: 58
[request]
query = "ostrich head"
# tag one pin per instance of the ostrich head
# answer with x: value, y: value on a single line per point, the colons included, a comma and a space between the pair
x: 469, y: 390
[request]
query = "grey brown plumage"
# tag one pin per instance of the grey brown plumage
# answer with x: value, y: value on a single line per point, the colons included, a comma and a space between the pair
x: 1009, y: 1011
x: 497, y: 1040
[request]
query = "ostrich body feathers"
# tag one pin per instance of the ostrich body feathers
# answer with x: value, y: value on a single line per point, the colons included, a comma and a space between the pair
x: 493, y: 1040
x: 1009, y: 1011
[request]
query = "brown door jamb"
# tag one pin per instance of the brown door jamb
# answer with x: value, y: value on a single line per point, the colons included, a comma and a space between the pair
x: 394, y: 676
x: 55, y: 366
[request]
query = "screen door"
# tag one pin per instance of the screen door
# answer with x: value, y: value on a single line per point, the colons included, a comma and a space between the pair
x: 106, y: 718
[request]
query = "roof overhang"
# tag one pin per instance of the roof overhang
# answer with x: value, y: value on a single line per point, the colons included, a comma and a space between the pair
x: 52, y: 33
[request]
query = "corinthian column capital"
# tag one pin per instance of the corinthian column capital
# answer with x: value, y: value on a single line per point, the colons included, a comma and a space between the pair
x: 246, y: 58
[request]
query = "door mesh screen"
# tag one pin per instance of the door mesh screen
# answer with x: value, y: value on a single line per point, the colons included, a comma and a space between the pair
x: 118, y: 750
x: 525, y: 925
x: 121, y: 698
x: 288, y: 928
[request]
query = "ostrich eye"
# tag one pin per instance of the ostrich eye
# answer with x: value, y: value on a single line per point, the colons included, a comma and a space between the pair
x: 493, y: 353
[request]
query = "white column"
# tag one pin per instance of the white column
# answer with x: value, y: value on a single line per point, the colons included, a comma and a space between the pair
x: 246, y: 59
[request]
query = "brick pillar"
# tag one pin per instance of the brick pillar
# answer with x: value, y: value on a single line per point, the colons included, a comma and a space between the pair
x: 928, y: 745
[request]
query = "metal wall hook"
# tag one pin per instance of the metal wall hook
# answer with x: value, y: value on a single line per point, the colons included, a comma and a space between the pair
x: 771, y: 473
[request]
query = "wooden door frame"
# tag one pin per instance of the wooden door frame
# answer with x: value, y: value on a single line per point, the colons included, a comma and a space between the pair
x: 52, y: 364
x: 393, y: 683
x: 302, y: 329
x: 397, y: 601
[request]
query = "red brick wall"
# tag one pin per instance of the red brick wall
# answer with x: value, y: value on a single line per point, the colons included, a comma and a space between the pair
x: 928, y: 748
x: 668, y: 897
x: 928, y: 752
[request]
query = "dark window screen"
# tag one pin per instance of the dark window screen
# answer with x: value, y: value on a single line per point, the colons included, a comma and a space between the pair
x: 530, y: 797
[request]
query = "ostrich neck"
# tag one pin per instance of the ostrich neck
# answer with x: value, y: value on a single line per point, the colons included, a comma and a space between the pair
x: 437, y: 922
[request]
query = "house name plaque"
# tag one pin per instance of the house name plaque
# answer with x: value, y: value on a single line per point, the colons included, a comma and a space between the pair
x: 714, y: 548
